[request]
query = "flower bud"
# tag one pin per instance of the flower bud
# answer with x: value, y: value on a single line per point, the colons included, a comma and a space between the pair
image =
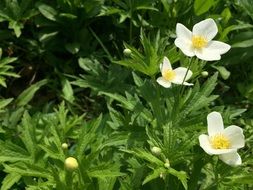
x: 204, y: 73
x: 163, y: 176
x: 156, y: 150
x: 127, y: 52
x: 71, y: 164
x: 167, y: 163
x: 64, y: 146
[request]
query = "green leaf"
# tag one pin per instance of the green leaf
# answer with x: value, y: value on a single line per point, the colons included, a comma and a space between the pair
x: 241, y: 179
x: 202, y: 6
x: 26, y: 96
x: 28, y: 134
x: 141, y: 153
x: 223, y: 71
x: 10, y: 180
x: 181, y: 175
x: 104, y: 173
x: 155, y: 174
x: 67, y: 91
x: 5, y: 102
x: 44, y: 37
x: 47, y: 11
x: 87, y: 136
x: 16, y: 26
x: 11, y: 152
x: 243, y: 44
x: 26, y: 169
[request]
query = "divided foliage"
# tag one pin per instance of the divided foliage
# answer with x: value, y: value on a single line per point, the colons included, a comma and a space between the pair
x: 64, y: 78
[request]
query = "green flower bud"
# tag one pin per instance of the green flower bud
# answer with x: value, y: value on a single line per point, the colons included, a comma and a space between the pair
x: 167, y: 163
x: 64, y: 146
x: 204, y: 73
x: 71, y: 164
x: 156, y: 150
x: 127, y: 52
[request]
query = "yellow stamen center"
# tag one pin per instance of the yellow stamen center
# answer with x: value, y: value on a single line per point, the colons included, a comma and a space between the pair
x: 199, y: 41
x: 169, y: 75
x: 220, y: 141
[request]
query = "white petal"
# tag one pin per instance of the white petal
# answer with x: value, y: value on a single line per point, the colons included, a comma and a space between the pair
x: 183, y: 32
x: 166, y: 64
x: 232, y: 159
x: 206, y: 28
x: 214, y: 123
x: 207, y: 147
x: 163, y: 82
x: 207, y: 55
x: 187, y: 84
x: 185, y: 45
x: 218, y: 47
x: 235, y: 135
x: 180, y: 75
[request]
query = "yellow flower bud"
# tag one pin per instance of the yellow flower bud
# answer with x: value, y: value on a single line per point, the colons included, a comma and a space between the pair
x: 64, y: 146
x: 167, y: 163
x: 204, y: 73
x: 71, y: 164
x: 156, y: 150
x: 127, y: 52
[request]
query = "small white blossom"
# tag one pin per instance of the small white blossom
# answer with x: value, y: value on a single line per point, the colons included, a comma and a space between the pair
x: 199, y: 42
x: 176, y: 76
x: 222, y: 142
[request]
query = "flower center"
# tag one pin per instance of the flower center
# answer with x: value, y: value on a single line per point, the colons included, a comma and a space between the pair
x: 219, y: 141
x: 199, y: 41
x: 169, y: 75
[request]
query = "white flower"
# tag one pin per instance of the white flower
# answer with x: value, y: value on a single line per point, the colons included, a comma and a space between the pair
x: 176, y: 76
x: 199, y: 42
x: 222, y: 142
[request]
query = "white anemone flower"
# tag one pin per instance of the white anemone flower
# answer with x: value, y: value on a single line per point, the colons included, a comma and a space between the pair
x: 176, y: 76
x: 222, y: 142
x: 199, y: 42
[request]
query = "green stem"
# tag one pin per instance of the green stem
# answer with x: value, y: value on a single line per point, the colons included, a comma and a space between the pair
x: 69, y: 180
x: 178, y: 94
x: 101, y: 43
x: 130, y: 24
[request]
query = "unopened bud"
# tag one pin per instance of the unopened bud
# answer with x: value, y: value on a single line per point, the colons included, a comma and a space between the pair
x: 167, y: 163
x: 162, y: 175
x: 127, y: 52
x: 71, y: 164
x: 156, y: 150
x: 64, y: 146
x: 204, y: 73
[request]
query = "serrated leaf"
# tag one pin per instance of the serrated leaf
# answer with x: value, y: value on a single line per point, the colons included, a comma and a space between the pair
x: 87, y: 137
x: 141, y: 153
x: 26, y: 169
x: 181, y: 175
x: 103, y: 174
x: 28, y: 134
x: 154, y: 174
x: 10, y: 180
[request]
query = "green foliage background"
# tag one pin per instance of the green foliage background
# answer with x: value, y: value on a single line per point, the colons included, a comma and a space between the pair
x: 64, y: 79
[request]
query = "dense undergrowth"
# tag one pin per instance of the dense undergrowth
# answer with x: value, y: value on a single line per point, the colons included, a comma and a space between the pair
x: 78, y: 79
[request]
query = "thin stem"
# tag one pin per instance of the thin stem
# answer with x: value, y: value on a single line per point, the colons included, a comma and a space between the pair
x: 101, y: 43
x: 182, y: 86
x: 130, y: 23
